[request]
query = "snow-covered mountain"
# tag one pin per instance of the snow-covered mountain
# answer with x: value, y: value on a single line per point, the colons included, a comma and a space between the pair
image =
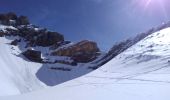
x: 32, y: 58
x: 127, y: 43
x: 141, y: 72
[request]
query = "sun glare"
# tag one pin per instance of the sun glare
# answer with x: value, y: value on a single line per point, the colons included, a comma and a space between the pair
x: 151, y: 6
x: 147, y: 3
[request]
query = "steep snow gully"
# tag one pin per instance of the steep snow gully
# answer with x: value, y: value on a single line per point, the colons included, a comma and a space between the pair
x: 142, y: 72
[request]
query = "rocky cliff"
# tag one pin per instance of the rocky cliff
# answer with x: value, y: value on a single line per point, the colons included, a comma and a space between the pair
x: 82, y: 52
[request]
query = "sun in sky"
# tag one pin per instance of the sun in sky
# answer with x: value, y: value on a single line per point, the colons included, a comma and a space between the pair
x: 152, y: 6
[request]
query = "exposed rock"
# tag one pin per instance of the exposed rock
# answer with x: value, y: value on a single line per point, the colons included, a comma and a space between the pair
x: 49, y: 38
x: 33, y: 55
x: 84, y: 57
x: 11, y: 32
x: 15, y: 42
x: 84, y: 51
x: 59, y: 44
x: 8, y: 19
x: 2, y: 34
x: 12, y: 19
x: 27, y: 32
x: 11, y: 16
x: 22, y: 20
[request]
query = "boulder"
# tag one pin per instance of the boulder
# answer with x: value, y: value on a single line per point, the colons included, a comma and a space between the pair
x: 84, y: 51
x: 15, y: 42
x: 49, y: 38
x: 33, y: 55
x: 22, y: 20
x: 2, y: 34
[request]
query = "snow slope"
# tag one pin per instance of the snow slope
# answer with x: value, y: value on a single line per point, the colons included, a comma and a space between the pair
x: 140, y: 73
x: 18, y: 75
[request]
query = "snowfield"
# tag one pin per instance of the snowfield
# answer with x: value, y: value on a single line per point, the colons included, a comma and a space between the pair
x: 140, y: 73
x: 16, y: 75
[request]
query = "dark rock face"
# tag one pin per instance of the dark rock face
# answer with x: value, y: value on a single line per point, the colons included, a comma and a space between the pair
x: 40, y: 37
x: 84, y: 51
x: 84, y: 57
x: 6, y: 18
x: 59, y: 44
x: 11, y: 16
x: 15, y: 42
x: 2, y: 34
x: 22, y: 20
x: 32, y: 55
x: 12, y: 19
x: 49, y: 38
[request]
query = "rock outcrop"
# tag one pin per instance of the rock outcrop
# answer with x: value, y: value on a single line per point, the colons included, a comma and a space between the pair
x: 34, y: 36
x: 12, y: 19
x: 49, y: 38
x: 33, y: 55
x: 84, y: 51
x: 15, y: 42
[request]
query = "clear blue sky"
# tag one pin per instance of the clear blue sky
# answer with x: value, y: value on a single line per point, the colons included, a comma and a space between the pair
x: 103, y: 21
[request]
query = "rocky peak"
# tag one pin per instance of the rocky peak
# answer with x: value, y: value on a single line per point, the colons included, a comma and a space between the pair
x: 12, y: 19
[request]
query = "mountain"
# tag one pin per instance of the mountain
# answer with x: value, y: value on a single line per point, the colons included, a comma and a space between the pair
x: 127, y: 43
x: 33, y: 58
x: 134, y: 69
x: 141, y: 72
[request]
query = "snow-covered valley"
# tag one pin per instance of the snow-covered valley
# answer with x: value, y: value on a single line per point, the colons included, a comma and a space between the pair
x: 27, y: 65
x: 142, y: 72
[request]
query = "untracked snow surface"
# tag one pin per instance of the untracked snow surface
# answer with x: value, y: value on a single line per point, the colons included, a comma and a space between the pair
x: 140, y: 73
x: 16, y: 75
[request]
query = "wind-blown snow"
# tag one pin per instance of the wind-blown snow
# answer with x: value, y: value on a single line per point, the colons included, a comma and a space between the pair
x: 140, y: 73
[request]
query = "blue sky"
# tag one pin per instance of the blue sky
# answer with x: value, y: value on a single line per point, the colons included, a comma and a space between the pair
x: 103, y: 21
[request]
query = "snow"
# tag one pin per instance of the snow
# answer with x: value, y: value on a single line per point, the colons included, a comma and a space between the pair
x: 18, y: 75
x: 140, y: 73
x: 15, y: 75
x: 3, y: 27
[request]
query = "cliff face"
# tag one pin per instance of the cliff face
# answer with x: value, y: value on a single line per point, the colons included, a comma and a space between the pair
x: 82, y: 52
